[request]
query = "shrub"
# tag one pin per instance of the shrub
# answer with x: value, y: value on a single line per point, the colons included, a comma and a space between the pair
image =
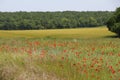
x: 113, y: 23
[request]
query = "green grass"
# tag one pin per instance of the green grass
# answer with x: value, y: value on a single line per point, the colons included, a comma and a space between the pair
x: 63, y: 54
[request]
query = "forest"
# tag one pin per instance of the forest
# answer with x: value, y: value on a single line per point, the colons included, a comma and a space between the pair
x: 52, y: 20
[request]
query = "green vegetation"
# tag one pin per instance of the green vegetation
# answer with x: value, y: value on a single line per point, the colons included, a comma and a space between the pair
x: 65, y: 54
x: 52, y: 20
x: 113, y: 23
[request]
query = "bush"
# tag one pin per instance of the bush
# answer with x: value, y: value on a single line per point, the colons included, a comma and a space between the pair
x: 113, y: 23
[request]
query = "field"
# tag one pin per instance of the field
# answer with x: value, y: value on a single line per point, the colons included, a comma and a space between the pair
x: 83, y: 33
x: 66, y: 54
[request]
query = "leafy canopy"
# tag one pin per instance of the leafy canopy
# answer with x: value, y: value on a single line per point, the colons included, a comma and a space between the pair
x: 113, y: 23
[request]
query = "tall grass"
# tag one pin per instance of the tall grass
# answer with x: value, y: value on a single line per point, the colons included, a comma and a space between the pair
x: 88, y: 54
x: 58, y: 59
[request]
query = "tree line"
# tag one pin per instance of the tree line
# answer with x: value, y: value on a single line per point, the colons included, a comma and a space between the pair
x: 52, y: 20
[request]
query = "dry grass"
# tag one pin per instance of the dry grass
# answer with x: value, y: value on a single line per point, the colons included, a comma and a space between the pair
x: 59, y: 33
x: 23, y: 67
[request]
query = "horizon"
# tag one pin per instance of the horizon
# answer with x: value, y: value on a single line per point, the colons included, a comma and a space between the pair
x: 58, y: 6
x: 55, y: 11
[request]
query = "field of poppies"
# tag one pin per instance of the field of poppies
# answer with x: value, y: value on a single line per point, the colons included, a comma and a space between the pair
x: 60, y: 59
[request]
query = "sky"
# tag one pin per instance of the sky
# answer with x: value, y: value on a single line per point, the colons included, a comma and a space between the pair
x: 58, y: 5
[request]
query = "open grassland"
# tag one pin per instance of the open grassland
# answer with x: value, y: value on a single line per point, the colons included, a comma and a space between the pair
x: 83, y: 33
x: 90, y: 55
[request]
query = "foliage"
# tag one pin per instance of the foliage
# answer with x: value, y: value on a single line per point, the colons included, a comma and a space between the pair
x: 52, y: 20
x: 113, y: 23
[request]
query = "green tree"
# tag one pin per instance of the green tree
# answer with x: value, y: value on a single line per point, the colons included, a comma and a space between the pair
x: 113, y: 23
x: 52, y: 20
x: 92, y: 22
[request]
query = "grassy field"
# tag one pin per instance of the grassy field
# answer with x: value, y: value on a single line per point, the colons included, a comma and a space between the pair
x: 66, y: 54
x: 83, y: 33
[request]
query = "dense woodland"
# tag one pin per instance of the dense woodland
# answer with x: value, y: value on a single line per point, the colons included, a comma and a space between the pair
x: 52, y: 20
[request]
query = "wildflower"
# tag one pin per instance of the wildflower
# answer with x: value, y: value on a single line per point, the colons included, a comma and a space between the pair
x: 93, y: 49
x: 62, y: 58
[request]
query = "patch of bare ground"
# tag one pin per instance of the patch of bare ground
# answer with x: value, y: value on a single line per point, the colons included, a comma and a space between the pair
x: 13, y: 72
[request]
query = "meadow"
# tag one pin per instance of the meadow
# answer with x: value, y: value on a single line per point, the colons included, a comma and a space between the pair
x: 60, y: 54
x: 79, y: 33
